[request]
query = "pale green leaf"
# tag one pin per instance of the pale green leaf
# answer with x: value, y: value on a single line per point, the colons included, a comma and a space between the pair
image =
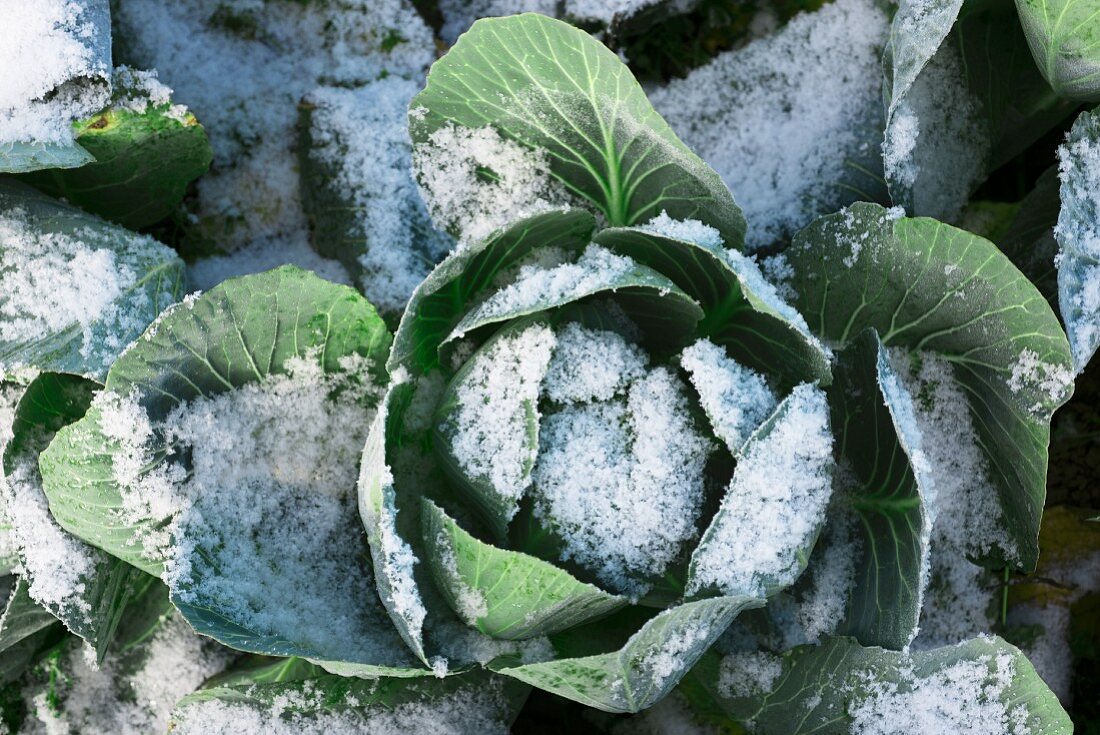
x: 557, y: 91
x: 1064, y: 36
x: 506, y: 594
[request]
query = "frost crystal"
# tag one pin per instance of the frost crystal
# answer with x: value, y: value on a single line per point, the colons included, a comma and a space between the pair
x: 783, y: 119
x: 774, y: 505
x: 749, y: 674
x: 688, y: 230
x: 591, y: 365
x: 735, y: 398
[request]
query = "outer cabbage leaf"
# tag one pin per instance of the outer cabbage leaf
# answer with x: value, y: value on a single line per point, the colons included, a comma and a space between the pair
x: 1078, y: 235
x: 1064, y: 37
x: 81, y: 322
x: 928, y: 286
x: 143, y: 164
x: 839, y: 686
x: 93, y: 607
x: 237, y: 334
x: 558, y: 92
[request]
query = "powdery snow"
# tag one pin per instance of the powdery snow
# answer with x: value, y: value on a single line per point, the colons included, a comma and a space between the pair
x: 774, y: 505
x: 537, y: 287
x: 748, y: 674
x: 736, y: 399
x: 57, y: 68
x: 966, y: 698
x: 786, y: 118
x: 361, y: 136
x: 54, y: 281
x: 273, y: 468
x: 936, y: 146
x: 962, y: 501
x: 688, y: 230
x: 242, y: 67
x: 465, y: 202
x: 57, y: 565
x: 133, y: 695
x: 591, y: 365
x: 621, y: 481
x: 1078, y: 235
x: 500, y: 386
x: 264, y: 255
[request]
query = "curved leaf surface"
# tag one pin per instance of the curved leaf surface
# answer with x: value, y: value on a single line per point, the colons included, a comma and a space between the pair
x: 557, y: 91
x: 646, y: 668
x: 840, y: 687
x: 75, y: 290
x: 143, y: 162
x: 478, y: 702
x: 882, y: 490
x: 507, y: 594
x: 1079, y: 238
x: 224, y: 352
x: 930, y: 287
x: 88, y: 589
x: 1064, y: 36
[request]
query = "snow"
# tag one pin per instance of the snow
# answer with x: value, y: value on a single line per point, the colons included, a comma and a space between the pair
x: 752, y: 279
x: 621, y: 481
x: 495, y: 395
x: 735, y: 398
x: 136, y: 91
x: 688, y: 230
x: 313, y: 710
x: 537, y: 287
x: 82, y: 278
x: 936, y: 146
x: 748, y: 674
x: 57, y: 63
x: 673, y: 715
x: 831, y: 574
x: 470, y: 205
x: 966, y: 698
x: 962, y: 501
x: 471, y: 604
x: 263, y: 528
x: 1032, y: 375
x: 243, y: 70
x: 132, y: 695
x: 785, y: 118
x: 591, y: 365
x: 1078, y: 235
x: 56, y: 564
x: 774, y: 505
x: 361, y: 136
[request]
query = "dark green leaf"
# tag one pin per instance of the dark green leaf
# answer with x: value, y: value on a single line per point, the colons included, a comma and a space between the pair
x: 143, y: 164
x: 927, y: 286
